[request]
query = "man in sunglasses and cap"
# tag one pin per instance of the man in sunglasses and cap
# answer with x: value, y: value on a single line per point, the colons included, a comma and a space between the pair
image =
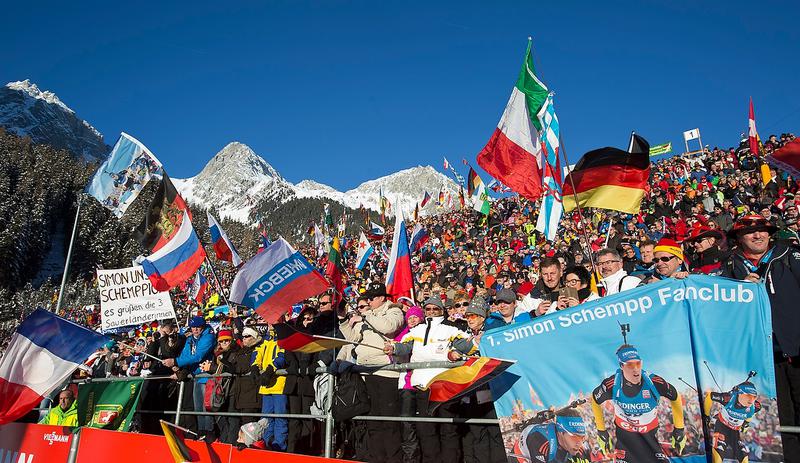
x: 669, y: 261
x: 756, y: 258
x: 739, y: 405
x: 564, y: 439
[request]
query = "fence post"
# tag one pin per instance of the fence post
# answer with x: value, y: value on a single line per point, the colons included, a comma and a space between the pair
x: 73, y: 446
x: 329, y: 418
x: 180, y: 402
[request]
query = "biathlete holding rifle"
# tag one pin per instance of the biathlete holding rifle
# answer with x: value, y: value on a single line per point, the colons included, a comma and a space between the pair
x: 561, y: 441
x: 739, y: 405
x: 635, y: 394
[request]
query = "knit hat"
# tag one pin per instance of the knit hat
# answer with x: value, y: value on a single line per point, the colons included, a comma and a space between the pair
x: 478, y: 306
x: 415, y: 310
x: 249, y: 332
x: 669, y: 246
x: 224, y: 334
x: 252, y: 432
x: 434, y: 300
x: 197, y: 322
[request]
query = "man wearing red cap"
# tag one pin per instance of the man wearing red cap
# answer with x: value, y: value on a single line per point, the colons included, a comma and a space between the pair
x: 757, y: 259
x: 708, y: 254
x: 669, y: 261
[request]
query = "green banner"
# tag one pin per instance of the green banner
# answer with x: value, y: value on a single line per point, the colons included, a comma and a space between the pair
x: 661, y: 149
x: 108, y: 405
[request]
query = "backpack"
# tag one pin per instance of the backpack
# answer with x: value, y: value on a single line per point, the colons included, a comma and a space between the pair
x: 350, y: 397
x: 322, y: 383
x: 216, y: 392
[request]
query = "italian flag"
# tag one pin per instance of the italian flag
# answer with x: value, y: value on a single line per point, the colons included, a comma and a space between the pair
x: 513, y: 154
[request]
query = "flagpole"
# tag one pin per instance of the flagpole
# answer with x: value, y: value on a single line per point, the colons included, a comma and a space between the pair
x: 69, y: 254
x: 219, y: 285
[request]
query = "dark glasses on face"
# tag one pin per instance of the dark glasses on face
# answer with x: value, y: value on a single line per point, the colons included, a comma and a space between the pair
x: 753, y: 222
x: 463, y: 304
x: 362, y: 306
x: 663, y: 259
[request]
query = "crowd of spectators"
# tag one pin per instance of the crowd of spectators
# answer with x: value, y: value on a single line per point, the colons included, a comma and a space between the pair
x: 711, y: 212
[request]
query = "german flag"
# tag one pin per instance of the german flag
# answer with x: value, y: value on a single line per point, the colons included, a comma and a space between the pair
x: 289, y: 339
x: 175, y: 440
x: 460, y: 381
x: 610, y: 178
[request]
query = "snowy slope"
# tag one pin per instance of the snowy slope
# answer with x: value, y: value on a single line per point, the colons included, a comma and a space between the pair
x: 28, y: 111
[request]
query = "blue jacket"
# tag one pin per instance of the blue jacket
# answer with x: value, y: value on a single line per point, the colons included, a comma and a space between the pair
x: 495, y: 320
x: 196, y: 351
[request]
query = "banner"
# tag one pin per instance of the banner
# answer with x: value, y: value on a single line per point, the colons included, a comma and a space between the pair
x: 664, y: 148
x: 691, y: 134
x: 118, y: 181
x: 108, y: 405
x: 32, y: 443
x: 128, y: 298
x: 627, y: 376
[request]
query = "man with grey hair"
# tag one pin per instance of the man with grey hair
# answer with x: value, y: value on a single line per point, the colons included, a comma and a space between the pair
x: 615, y: 279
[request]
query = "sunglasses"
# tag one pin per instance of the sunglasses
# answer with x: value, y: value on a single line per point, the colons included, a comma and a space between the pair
x: 463, y: 304
x: 246, y: 336
x: 633, y: 363
x: 471, y: 315
x: 753, y: 222
x: 663, y: 259
x: 362, y: 306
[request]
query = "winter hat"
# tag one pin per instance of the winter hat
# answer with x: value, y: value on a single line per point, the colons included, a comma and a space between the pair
x: 249, y: 332
x: 415, y: 310
x: 434, y: 300
x: 224, y: 334
x: 478, y: 306
x: 506, y: 295
x: 197, y: 322
x: 525, y: 288
x: 669, y: 246
x: 252, y: 432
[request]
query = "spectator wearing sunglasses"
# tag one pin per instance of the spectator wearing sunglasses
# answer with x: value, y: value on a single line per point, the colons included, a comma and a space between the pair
x: 456, y: 310
x: 669, y: 261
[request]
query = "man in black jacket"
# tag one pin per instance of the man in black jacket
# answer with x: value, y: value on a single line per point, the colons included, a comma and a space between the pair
x: 161, y: 394
x: 756, y: 259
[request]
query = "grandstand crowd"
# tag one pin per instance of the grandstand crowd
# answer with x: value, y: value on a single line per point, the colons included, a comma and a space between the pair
x: 708, y: 212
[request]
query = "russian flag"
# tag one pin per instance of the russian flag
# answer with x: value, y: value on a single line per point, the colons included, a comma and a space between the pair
x: 418, y: 238
x: 223, y: 247
x: 176, y: 261
x: 274, y: 280
x: 42, y: 354
x: 399, y: 279
x: 199, y: 287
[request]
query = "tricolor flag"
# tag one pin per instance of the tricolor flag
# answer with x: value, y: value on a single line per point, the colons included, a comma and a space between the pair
x: 461, y: 199
x: 223, y: 247
x: 176, y: 442
x: 163, y: 218
x: 418, y: 238
x: 447, y: 165
x: 754, y: 142
x: 460, y: 381
x: 124, y: 174
x: 376, y: 232
x: 610, y: 178
x: 292, y: 340
x: 473, y: 181
x: 399, y: 279
x: 199, y: 287
x: 177, y: 260
x: 440, y: 201
x: 787, y: 158
x: 275, y: 279
x: 43, y: 353
x: 334, y: 267
x: 552, y: 208
x: 480, y: 195
x: 425, y: 200
x: 365, y: 250
x: 513, y: 154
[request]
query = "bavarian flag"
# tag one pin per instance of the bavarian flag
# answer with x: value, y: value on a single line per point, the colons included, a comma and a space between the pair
x: 292, y: 340
x: 610, y: 178
x: 459, y: 381
x: 175, y: 440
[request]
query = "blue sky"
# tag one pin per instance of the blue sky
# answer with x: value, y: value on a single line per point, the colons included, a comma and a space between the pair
x: 343, y: 92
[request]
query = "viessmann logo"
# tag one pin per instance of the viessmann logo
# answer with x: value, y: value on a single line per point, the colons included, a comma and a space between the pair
x: 53, y: 437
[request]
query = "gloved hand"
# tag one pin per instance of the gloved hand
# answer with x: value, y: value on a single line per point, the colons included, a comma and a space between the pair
x: 292, y: 369
x: 182, y: 374
x: 267, y: 378
x: 678, y: 440
x: 255, y: 371
x: 604, y: 441
x: 744, y: 427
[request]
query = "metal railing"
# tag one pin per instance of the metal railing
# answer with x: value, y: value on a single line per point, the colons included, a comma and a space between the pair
x: 327, y: 417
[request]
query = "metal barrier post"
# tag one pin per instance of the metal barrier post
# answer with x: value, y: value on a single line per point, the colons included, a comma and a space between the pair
x: 180, y: 403
x: 73, y: 446
x: 329, y: 419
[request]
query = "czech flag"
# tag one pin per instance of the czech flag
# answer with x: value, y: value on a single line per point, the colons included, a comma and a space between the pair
x: 223, y: 247
x: 176, y: 261
x: 42, y: 354
x: 418, y: 238
x: 274, y: 280
x: 199, y: 287
x: 399, y: 279
x: 425, y: 200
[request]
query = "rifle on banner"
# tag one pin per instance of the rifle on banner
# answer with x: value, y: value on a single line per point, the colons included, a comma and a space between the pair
x: 547, y: 415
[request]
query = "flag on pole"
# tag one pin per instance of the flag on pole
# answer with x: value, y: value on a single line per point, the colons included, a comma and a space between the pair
x: 440, y: 201
x: 787, y: 158
x: 42, y: 354
x: 177, y: 260
x: 480, y: 194
x: 418, y: 238
x: 472, y: 181
x: 334, y: 267
x: 365, y: 250
x: 552, y: 208
x: 275, y: 279
x: 399, y: 279
x: 460, y: 381
x: 163, y: 218
x: 513, y: 154
x: 754, y: 142
x: 416, y: 212
x: 292, y: 340
x: 123, y: 175
x: 328, y: 217
x: 461, y: 199
x: 199, y: 287
x: 447, y: 165
x: 176, y: 442
x: 223, y: 247
x: 610, y: 178
x: 425, y: 200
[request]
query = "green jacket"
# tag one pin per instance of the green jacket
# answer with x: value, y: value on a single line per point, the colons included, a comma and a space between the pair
x: 58, y: 417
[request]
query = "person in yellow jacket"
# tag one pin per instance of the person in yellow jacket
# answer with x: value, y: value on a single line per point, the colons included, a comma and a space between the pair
x: 268, y: 358
x: 66, y: 414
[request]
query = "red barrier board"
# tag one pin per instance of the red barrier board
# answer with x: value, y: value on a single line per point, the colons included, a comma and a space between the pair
x: 260, y: 456
x: 125, y: 447
x: 31, y: 443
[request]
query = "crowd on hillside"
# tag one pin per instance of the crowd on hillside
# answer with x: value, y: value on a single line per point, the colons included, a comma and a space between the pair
x: 710, y: 213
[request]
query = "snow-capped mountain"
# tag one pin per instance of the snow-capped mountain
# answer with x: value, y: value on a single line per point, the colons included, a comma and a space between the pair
x: 27, y: 110
x: 237, y: 180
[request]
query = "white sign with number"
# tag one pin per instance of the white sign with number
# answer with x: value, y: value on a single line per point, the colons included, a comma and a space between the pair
x: 127, y: 298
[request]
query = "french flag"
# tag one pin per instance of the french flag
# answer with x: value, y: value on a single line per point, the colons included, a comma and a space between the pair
x: 223, y: 247
x: 176, y: 261
x: 418, y: 238
x: 399, y: 279
x: 274, y: 280
x: 42, y: 354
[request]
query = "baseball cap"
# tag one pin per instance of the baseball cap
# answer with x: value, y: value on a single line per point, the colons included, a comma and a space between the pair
x: 506, y: 295
x: 434, y: 300
x: 197, y: 322
x: 478, y: 306
x: 627, y: 354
